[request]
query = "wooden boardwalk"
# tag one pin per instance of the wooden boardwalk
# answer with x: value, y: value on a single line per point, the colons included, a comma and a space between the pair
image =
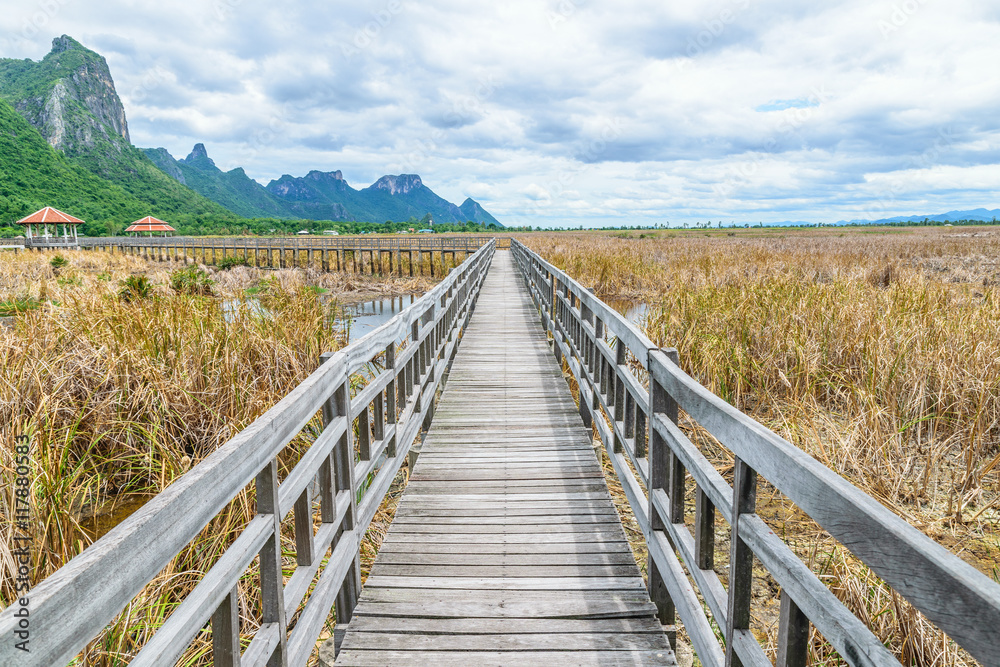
x: 506, y: 547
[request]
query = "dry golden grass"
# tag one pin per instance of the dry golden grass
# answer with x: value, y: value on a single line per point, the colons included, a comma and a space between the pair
x: 878, y: 353
x: 122, y: 398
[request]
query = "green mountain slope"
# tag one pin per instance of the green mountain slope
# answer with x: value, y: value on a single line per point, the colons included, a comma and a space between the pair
x: 33, y: 175
x: 472, y: 210
x: 234, y: 190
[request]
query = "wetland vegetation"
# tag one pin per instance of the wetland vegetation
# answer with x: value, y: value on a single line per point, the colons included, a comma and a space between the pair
x: 125, y: 373
x: 876, y: 351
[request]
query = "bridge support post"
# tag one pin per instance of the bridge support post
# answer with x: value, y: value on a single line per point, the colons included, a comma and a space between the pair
x: 661, y: 465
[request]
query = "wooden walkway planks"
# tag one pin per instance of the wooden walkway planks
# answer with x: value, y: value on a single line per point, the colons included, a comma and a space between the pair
x: 506, y: 548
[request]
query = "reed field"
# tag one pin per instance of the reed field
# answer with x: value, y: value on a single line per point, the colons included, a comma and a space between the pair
x: 876, y: 351
x: 125, y: 373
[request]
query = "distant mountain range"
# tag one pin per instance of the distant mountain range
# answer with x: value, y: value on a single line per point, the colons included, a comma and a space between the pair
x: 65, y: 113
x: 980, y: 214
x: 952, y: 216
x: 317, y: 195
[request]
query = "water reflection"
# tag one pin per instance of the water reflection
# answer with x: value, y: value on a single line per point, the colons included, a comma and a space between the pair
x: 635, y: 312
x: 100, y: 521
x: 231, y: 308
x: 360, y: 319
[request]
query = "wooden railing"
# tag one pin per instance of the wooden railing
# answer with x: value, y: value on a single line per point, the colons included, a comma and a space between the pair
x: 319, y: 241
x: 358, y: 446
x: 613, y: 363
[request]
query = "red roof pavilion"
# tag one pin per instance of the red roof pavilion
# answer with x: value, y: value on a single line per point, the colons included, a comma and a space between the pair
x: 149, y: 224
x: 51, y: 216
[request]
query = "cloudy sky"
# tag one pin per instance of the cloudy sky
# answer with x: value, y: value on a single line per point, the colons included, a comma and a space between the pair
x: 577, y: 112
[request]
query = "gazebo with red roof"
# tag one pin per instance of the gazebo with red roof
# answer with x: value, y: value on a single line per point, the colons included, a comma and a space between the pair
x: 37, y: 227
x: 151, y: 225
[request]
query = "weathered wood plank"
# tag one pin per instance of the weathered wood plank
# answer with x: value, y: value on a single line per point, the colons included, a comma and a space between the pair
x: 504, y: 658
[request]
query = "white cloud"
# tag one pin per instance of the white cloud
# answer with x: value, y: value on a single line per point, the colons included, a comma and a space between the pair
x: 577, y: 111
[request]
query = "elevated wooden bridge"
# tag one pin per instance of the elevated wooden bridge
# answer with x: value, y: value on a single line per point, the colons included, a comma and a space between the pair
x: 505, y: 548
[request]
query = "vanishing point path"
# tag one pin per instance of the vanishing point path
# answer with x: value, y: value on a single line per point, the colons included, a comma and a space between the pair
x: 506, y: 547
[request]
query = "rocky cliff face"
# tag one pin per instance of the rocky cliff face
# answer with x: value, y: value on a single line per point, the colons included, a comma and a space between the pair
x: 69, y: 97
x: 397, y: 185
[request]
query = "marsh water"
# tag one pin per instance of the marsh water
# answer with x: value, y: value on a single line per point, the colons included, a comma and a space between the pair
x: 635, y: 312
x: 360, y: 319
x: 355, y: 319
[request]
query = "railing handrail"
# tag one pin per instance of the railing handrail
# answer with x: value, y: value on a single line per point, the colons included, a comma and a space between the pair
x: 364, y: 243
x: 641, y: 429
x: 71, y: 606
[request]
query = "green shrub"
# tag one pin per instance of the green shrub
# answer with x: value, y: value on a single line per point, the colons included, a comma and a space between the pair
x: 135, y: 288
x: 68, y: 281
x: 18, y: 305
x: 104, y: 275
x: 59, y: 262
x: 229, y: 262
x: 264, y: 287
x: 191, y: 280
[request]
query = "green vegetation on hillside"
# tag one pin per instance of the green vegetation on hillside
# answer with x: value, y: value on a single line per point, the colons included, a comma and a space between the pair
x: 33, y: 175
x: 88, y: 127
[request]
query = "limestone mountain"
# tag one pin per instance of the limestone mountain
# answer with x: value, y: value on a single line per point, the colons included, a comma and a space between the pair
x: 318, y: 195
x: 234, y: 190
x: 69, y: 97
x: 472, y: 210
x: 33, y: 175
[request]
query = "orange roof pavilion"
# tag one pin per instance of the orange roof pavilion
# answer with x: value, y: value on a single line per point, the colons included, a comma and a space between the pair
x: 51, y: 216
x: 149, y: 224
x: 36, y: 232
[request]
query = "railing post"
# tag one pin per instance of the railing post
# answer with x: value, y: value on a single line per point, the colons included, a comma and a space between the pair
x: 414, y: 372
x: 339, y: 405
x: 740, y: 559
x: 660, y: 402
x: 793, y: 634
x: 272, y: 584
x: 618, y: 398
x: 587, y: 317
x: 392, y: 405
x: 226, y: 631
x: 555, y: 329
